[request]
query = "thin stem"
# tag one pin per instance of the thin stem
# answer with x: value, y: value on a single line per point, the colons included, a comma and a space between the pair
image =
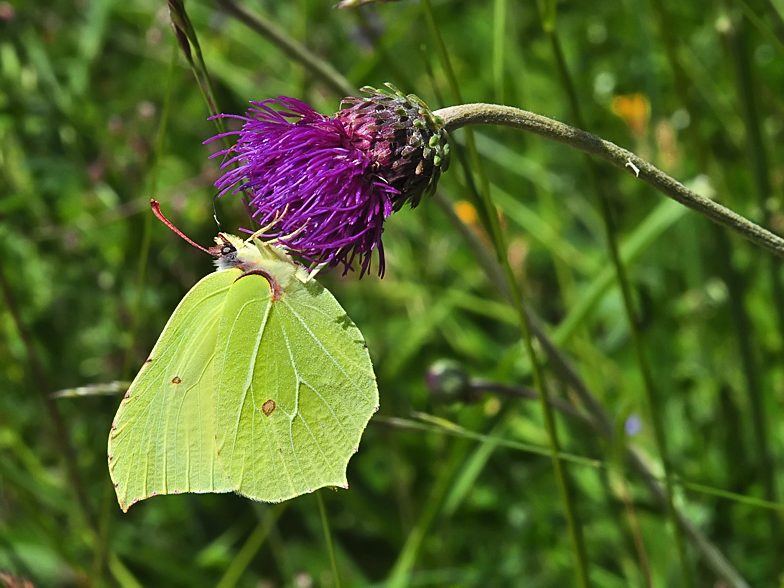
x: 42, y: 386
x: 399, y: 576
x: 636, y: 531
x: 107, y: 512
x: 631, y: 315
x: 250, y: 548
x: 328, y: 537
x: 429, y: 422
x: 760, y: 26
x: 479, y: 387
x: 734, y: 279
x: 710, y: 553
x: 457, y: 149
x: 476, y: 162
x: 202, y: 67
x: 186, y: 36
x: 759, y: 164
x: 295, y: 50
x: 144, y: 250
x: 102, y: 537
x: 562, y: 366
x: 490, y: 216
x: 499, y: 40
x: 456, y: 117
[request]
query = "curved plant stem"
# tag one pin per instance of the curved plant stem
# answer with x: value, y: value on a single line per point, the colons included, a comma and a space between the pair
x: 631, y: 315
x: 456, y: 117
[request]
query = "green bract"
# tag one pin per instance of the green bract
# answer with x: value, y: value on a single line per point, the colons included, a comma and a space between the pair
x: 259, y: 384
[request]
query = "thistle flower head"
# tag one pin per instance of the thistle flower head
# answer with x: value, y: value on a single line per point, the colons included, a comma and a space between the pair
x: 406, y: 141
x: 325, y: 185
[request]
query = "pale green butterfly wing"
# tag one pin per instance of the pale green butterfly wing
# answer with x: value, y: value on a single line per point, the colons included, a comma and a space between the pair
x: 294, y: 389
x: 163, y: 438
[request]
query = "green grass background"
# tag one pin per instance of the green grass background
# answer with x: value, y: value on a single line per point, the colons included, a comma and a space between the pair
x: 83, y: 148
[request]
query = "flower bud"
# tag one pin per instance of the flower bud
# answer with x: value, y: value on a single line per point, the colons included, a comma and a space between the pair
x: 448, y: 381
x: 406, y: 141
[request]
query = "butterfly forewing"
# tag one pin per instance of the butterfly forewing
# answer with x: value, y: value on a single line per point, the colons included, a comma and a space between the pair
x: 163, y: 437
x: 294, y: 389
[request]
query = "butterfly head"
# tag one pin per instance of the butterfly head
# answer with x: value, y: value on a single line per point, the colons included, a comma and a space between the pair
x: 247, y: 255
x: 231, y: 251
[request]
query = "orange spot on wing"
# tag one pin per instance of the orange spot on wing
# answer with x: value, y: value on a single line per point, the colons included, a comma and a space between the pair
x: 268, y: 407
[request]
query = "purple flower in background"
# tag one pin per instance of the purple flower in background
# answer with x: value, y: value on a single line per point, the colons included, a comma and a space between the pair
x: 325, y: 185
x: 633, y: 425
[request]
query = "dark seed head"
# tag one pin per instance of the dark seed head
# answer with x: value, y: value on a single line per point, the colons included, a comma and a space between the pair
x: 396, y: 143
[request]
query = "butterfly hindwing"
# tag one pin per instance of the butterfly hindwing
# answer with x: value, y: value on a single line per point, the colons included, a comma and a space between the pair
x: 163, y: 437
x: 294, y: 389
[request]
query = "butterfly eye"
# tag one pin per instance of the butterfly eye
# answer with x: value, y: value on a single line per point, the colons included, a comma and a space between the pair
x: 227, y: 249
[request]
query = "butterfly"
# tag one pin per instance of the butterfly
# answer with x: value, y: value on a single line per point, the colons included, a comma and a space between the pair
x: 259, y: 384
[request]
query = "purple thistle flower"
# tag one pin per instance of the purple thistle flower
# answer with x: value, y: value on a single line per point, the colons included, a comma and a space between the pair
x: 325, y: 185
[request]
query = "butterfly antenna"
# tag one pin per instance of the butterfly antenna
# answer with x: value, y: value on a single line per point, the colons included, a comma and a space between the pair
x: 215, y: 211
x: 156, y: 208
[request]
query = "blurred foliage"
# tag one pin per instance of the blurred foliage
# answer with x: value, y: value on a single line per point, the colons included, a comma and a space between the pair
x: 82, y: 92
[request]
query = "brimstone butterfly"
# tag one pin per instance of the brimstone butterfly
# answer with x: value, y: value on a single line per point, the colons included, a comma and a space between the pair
x: 260, y: 384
